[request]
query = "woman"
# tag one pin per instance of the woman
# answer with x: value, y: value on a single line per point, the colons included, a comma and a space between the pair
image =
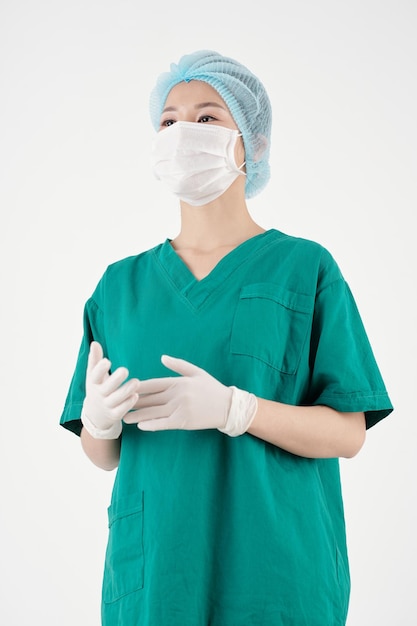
x: 223, y: 372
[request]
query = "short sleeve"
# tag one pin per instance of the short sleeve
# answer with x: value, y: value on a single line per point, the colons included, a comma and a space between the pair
x: 345, y: 375
x: 71, y: 415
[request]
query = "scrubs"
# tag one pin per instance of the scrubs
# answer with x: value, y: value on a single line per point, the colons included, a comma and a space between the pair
x: 206, y: 529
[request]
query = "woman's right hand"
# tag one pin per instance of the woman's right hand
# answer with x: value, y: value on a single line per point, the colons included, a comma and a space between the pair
x: 108, y: 397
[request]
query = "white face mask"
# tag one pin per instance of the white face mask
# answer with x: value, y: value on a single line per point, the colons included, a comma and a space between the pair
x: 196, y: 161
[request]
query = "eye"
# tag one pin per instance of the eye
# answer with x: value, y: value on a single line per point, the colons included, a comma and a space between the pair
x: 206, y: 118
x: 165, y: 123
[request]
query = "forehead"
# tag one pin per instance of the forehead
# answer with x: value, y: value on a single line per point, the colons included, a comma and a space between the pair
x: 193, y: 92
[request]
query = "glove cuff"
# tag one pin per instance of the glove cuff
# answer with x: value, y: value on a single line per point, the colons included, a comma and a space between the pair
x: 113, y: 432
x: 242, y: 410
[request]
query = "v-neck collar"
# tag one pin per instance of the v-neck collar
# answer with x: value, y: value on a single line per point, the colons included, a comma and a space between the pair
x: 196, y: 291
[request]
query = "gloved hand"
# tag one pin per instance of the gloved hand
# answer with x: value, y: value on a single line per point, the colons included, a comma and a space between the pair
x: 107, y: 399
x: 193, y: 401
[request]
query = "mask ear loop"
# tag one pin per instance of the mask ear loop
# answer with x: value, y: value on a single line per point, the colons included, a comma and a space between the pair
x: 244, y: 162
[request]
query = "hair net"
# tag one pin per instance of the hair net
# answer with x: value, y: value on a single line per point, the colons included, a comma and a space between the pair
x: 245, y: 97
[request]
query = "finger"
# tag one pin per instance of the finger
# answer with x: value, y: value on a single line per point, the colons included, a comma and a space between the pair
x: 149, y: 413
x: 152, y: 399
x: 115, y: 380
x: 95, y: 355
x: 185, y: 368
x: 156, y: 385
x: 119, y: 412
x: 156, y: 425
x: 99, y: 372
x: 122, y: 393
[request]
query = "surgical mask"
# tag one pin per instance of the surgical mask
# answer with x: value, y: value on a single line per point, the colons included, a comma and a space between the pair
x: 196, y: 161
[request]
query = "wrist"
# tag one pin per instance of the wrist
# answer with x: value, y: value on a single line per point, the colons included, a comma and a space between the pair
x: 242, y: 411
x: 113, y: 431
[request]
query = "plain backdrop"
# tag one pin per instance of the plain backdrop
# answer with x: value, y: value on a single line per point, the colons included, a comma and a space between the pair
x: 77, y: 193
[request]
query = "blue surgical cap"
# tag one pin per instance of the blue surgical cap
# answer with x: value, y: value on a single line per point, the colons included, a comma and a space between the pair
x: 245, y: 97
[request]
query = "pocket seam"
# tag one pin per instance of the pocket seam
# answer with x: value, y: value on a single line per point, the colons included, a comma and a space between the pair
x: 286, y: 298
x: 113, y: 517
x: 300, y: 304
x: 116, y: 570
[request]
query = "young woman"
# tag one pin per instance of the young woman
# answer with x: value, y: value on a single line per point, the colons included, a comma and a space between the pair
x: 223, y: 373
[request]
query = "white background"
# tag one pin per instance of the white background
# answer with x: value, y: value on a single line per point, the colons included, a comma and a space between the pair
x: 77, y: 193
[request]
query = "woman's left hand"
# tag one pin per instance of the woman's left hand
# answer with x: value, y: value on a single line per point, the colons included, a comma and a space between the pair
x: 195, y: 400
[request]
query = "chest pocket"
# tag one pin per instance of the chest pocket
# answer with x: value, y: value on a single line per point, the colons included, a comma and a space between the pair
x: 271, y: 324
x: 123, y: 572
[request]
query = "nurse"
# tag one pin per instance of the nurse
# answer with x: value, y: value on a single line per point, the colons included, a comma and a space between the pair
x: 223, y: 373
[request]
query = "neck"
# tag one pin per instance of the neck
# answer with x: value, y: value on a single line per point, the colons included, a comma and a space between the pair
x: 218, y: 224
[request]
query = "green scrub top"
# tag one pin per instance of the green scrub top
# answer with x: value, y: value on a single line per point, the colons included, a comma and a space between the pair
x: 206, y: 529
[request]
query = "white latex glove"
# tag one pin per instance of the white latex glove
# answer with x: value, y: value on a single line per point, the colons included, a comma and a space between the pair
x: 193, y: 401
x: 107, y: 399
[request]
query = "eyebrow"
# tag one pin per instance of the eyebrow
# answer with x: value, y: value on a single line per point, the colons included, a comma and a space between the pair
x: 201, y: 105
